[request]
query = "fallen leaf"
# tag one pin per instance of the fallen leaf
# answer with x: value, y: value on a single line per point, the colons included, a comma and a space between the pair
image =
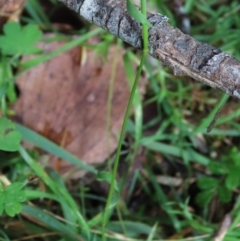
x: 65, y: 99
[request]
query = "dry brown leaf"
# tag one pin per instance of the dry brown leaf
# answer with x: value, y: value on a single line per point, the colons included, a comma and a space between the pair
x: 10, y: 9
x: 65, y: 99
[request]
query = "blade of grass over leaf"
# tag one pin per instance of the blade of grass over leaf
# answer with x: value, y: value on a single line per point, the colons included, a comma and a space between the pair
x: 75, y: 42
x: 52, y: 148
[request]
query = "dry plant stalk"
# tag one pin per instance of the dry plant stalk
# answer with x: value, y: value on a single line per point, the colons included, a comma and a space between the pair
x: 182, y: 53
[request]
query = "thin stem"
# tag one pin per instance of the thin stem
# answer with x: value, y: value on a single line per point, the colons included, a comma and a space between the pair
x: 109, y: 101
x: 117, y: 158
x: 107, y: 212
x: 144, y: 28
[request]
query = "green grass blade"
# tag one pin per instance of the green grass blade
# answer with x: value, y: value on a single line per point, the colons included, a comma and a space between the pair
x: 152, y: 233
x: 207, y: 122
x: 49, y: 221
x: 47, y: 145
x: 60, y: 190
x: 75, y: 42
x: 32, y: 194
x: 137, y: 102
x: 36, y: 12
x: 189, y: 154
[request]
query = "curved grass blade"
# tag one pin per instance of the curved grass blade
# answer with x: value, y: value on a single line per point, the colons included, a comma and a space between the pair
x: 50, y: 222
x: 211, y: 119
x: 75, y: 42
x: 52, y: 148
x: 69, y: 206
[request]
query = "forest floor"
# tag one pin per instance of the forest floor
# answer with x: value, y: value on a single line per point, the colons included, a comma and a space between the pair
x: 178, y: 177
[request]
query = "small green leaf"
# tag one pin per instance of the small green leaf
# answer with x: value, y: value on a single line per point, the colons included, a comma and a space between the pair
x: 107, y: 177
x: 217, y: 168
x: 16, y: 186
x: 21, y: 197
x: 13, y: 208
x: 19, y: 40
x: 224, y: 194
x: 14, y: 192
x: 136, y: 14
x: 233, y: 178
x: 9, y: 138
x: 207, y: 183
x: 11, y: 197
x: 203, y: 198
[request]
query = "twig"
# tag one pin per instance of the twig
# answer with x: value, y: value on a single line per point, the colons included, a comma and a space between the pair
x: 182, y: 53
x: 223, y: 228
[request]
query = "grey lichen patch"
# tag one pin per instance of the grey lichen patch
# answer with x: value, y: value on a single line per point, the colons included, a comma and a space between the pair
x: 230, y: 74
x: 203, y: 53
x: 69, y: 3
x: 158, y: 21
x: 236, y: 93
x: 130, y: 31
x: 73, y: 4
x: 214, y: 63
x: 183, y: 44
x: 102, y: 16
x: 89, y: 9
x: 112, y: 21
x: 183, y: 49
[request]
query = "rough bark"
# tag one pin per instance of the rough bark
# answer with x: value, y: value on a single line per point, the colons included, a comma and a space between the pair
x: 182, y: 53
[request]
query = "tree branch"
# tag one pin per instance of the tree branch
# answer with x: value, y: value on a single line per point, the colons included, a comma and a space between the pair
x: 182, y: 53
